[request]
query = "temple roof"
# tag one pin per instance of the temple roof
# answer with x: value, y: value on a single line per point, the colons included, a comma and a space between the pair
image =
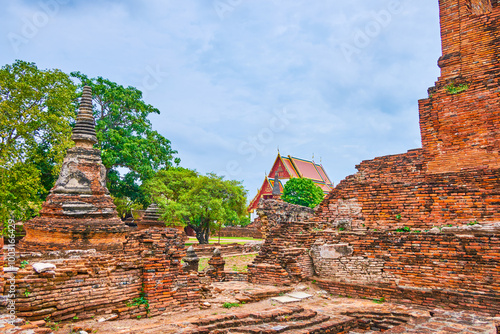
x: 290, y: 168
x: 265, y: 190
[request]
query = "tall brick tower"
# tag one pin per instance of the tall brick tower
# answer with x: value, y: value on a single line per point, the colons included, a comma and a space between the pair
x: 460, y: 121
x: 455, y: 177
x: 79, y: 212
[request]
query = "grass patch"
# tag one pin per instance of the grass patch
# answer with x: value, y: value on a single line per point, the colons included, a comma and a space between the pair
x: 229, y: 305
x: 455, y: 89
x: 237, y: 263
x: 215, y: 238
x: 187, y: 244
x: 237, y: 238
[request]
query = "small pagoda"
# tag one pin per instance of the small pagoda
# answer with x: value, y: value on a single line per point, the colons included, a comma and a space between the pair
x: 79, y: 212
x: 151, y: 218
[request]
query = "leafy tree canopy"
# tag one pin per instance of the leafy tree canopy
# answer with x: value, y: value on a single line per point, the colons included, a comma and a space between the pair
x: 126, y: 137
x: 195, y: 200
x: 126, y: 207
x: 36, y: 111
x: 303, y: 192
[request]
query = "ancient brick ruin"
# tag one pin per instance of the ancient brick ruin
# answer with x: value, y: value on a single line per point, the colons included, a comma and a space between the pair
x: 151, y: 218
x: 421, y: 227
x: 78, y: 258
x: 87, y: 283
x: 455, y: 177
x: 79, y: 212
x: 272, y: 213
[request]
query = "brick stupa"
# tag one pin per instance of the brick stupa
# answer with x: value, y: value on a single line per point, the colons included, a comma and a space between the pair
x: 79, y: 212
x: 151, y: 218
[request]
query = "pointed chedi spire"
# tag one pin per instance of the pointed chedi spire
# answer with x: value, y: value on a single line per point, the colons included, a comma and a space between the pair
x: 276, y: 186
x: 78, y: 213
x: 84, y: 131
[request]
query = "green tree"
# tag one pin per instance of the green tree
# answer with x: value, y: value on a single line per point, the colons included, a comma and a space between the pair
x: 126, y: 207
x: 241, y: 221
x: 196, y: 200
x: 303, y: 192
x: 126, y: 137
x: 36, y: 112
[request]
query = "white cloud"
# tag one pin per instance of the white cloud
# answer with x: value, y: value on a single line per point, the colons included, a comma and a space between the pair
x: 221, y: 79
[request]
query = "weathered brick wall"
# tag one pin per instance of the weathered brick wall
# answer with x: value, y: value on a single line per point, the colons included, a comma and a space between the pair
x: 84, y: 286
x: 89, y: 283
x: 393, y: 191
x: 463, y: 130
x: 238, y: 232
x: 454, y: 178
x: 235, y: 276
x: 2, y: 278
x: 272, y: 213
x: 283, y: 257
x: 433, y: 269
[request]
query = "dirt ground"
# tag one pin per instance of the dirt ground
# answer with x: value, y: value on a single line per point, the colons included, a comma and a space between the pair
x: 174, y: 322
x: 230, y: 294
x: 440, y: 321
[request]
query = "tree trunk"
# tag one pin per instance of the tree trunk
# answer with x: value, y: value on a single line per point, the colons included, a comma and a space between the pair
x: 207, y: 231
x: 201, y: 234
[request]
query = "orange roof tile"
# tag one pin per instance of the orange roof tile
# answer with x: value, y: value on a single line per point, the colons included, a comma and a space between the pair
x: 326, y: 188
x: 306, y: 169
x: 291, y: 169
x: 323, y: 174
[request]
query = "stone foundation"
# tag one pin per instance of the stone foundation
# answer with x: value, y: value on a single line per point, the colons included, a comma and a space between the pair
x: 146, y: 278
x: 459, y: 270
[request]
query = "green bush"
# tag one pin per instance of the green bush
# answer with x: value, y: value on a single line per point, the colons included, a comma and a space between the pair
x: 452, y: 89
x: 303, y: 192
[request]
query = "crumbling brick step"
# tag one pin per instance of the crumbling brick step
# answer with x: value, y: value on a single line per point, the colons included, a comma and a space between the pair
x: 334, y: 326
x: 261, y: 315
x: 284, y: 326
x: 286, y: 320
x: 263, y: 293
x: 378, y: 320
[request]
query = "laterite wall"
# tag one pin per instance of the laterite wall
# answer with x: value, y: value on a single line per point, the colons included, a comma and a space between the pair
x: 457, y: 271
x: 87, y: 283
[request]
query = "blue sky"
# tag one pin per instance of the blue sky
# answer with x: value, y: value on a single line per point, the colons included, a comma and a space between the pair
x: 236, y: 79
